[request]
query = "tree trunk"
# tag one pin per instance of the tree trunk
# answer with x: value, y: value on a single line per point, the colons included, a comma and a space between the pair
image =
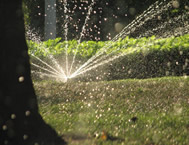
x: 20, y: 122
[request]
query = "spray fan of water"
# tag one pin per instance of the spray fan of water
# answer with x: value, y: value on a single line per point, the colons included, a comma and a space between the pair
x: 139, y: 27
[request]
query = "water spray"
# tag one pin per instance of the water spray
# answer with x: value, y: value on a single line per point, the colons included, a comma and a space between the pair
x: 101, y: 57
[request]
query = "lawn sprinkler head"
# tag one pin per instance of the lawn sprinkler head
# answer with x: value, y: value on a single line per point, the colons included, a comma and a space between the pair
x: 62, y: 78
x: 71, y: 78
x: 68, y: 79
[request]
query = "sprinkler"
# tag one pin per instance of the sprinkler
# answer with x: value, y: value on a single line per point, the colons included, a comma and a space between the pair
x: 68, y: 80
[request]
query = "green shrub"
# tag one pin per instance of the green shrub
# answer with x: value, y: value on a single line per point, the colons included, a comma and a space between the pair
x: 141, y: 58
x: 164, y: 57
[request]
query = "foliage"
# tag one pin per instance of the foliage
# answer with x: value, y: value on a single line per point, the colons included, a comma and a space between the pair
x: 89, y: 48
x: 140, y: 58
x: 154, y: 58
x: 56, y: 47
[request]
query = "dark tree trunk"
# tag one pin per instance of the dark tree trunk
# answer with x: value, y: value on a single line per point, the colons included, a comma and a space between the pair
x: 20, y: 122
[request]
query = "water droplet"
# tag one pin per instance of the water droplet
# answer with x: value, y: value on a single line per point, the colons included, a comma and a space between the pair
x: 132, y: 11
x: 118, y: 27
x: 159, y: 17
x: 167, y: 73
x: 13, y: 116
x: 25, y: 137
x: 6, y: 142
x: 176, y: 4
x: 4, y: 127
x: 186, y: 7
x: 169, y: 64
x: 21, y: 79
x: 27, y: 113
x: 105, y: 19
x: 178, y: 109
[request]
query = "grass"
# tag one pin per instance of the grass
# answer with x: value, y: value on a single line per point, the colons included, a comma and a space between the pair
x: 121, y: 112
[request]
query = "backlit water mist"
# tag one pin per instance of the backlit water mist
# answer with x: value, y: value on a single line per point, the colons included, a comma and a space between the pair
x: 152, y: 21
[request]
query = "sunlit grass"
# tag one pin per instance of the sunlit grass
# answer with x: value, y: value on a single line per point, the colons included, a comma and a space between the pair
x: 150, y: 111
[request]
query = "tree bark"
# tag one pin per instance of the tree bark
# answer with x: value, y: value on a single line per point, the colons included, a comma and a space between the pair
x: 20, y: 122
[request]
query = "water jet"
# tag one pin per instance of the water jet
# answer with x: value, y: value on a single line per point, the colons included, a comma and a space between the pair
x: 139, y: 27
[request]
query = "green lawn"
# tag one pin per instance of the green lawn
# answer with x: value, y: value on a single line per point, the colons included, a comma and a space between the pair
x: 131, y: 112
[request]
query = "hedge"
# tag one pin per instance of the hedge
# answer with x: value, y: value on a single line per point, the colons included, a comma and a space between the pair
x: 140, y: 58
